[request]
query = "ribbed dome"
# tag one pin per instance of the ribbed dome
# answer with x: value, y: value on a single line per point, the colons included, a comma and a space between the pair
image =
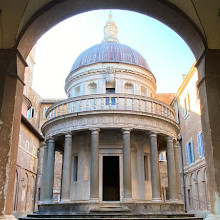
x: 110, y: 51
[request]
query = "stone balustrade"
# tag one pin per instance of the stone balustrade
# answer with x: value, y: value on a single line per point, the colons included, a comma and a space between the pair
x: 106, y: 102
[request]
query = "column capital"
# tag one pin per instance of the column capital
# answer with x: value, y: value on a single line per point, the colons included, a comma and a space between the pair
x: 94, y: 130
x: 50, y: 139
x: 126, y: 130
x: 43, y: 144
x: 153, y: 134
x: 68, y: 134
x: 170, y: 139
x: 176, y: 144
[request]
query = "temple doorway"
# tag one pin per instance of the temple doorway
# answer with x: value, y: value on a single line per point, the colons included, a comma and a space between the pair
x: 111, y: 182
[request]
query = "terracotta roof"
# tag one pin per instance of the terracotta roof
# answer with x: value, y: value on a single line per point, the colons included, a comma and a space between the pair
x: 110, y: 52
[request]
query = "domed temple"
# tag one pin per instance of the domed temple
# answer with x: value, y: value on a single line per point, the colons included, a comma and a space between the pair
x: 110, y: 130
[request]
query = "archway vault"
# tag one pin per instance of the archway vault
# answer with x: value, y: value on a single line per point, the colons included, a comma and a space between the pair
x: 196, y: 22
x: 57, y: 11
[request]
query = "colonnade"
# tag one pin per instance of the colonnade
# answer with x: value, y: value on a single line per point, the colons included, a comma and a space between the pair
x: 174, y: 185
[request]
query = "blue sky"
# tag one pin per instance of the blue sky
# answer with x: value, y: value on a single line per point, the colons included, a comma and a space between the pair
x: 166, y: 53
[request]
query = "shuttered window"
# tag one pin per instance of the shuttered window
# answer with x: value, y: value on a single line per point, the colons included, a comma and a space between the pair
x: 189, y: 152
x: 200, y: 145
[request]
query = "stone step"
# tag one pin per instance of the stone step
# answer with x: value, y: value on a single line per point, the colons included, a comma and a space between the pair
x: 111, y: 216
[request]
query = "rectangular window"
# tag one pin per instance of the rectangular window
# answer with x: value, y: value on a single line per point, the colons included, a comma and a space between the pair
x: 197, y: 91
x: 38, y: 194
x: 75, y: 168
x: 44, y: 111
x: 189, y: 152
x: 162, y: 156
x: 189, y: 197
x: 143, y: 91
x: 186, y: 105
x: 200, y: 145
x: 30, y: 113
x: 110, y: 91
x: 146, y: 168
x: 77, y: 91
x: 167, y: 195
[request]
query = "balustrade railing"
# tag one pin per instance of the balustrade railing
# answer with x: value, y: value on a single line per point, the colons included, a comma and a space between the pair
x: 103, y: 102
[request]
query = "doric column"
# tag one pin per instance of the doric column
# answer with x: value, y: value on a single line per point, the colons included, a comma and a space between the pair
x: 44, y: 173
x: 66, y: 173
x: 171, y: 170
x: 127, y: 164
x: 50, y: 170
x: 155, y: 175
x: 177, y: 166
x: 94, y: 172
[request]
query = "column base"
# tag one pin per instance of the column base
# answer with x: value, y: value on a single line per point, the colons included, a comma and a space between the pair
x: 94, y: 200
x: 212, y: 217
x: 156, y: 200
x: 7, y: 217
x: 128, y: 200
x: 173, y: 200
x: 65, y: 201
x: 48, y: 202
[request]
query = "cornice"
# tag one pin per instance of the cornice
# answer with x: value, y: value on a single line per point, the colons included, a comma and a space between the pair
x: 186, y: 80
x: 31, y: 128
x: 116, y: 120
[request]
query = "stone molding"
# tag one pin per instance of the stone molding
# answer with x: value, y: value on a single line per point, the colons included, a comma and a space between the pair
x: 169, y: 139
x: 145, y: 105
x: 126, y: 130
x: 77, y: 75
x: 59, y: 126
x: 94, y: 131
x: 68, y: 135
x: 153, y: 134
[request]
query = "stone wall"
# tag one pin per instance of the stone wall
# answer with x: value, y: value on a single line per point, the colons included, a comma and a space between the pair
x: 190, y: 126
x: 26, y: 170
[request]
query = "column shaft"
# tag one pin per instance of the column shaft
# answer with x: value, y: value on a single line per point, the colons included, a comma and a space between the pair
x: 127, y: 164
x: 177, y: 166
x: 171, y: 170
x: 94, y: 172
x: 155, y: 175
x: 66, y: 173
x: 50, y: 170
x: 44, y: 174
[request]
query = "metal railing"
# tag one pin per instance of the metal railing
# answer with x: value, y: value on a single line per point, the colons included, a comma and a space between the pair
x: 106, y: 102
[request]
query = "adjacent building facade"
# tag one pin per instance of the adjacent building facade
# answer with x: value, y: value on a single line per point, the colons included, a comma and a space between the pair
x: 187, y: 105
x: 29, y: 142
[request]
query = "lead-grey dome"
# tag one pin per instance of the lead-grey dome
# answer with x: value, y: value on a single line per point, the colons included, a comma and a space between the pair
x: 110, y: 51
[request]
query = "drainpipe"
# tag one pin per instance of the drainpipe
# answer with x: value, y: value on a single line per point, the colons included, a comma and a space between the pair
x: 179, y: 139
x: 36, y: 179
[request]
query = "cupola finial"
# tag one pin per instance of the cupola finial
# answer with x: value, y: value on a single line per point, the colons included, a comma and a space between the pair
x: 110, y: 30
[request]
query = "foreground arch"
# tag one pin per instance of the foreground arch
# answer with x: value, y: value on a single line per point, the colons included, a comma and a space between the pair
x: 12, y: 66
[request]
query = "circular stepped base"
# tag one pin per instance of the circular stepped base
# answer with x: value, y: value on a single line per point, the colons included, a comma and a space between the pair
x: 121, y: 216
